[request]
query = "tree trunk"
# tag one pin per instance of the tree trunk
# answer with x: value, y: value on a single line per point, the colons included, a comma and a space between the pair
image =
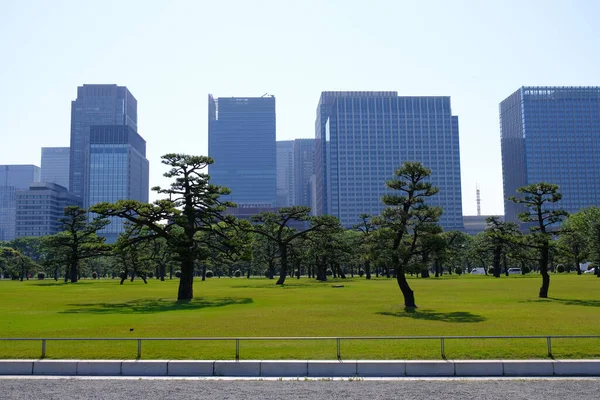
x: 284, y: 264
x: 340, y: 272
x: 73, y: 271
x: 270, y: 270
x: 368, y: 269
x: 504, y: 264
x: 186, y: 280
x: 203, y: 272
x: 497, y: 256
x: 143, y: 276
x: 409, y: 295
x: 544, y: 270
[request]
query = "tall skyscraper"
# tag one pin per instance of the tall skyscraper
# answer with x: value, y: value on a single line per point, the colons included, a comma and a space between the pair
x: 12, y: 179
x: 118, y: 170
x: 363, y: 137
x: 551, y: 134
x: 285, y: 173
x: 241, y: 140
x: 304, y: 169
x: 55, y: 165
x: 95, y: 105
x: 40, y: 208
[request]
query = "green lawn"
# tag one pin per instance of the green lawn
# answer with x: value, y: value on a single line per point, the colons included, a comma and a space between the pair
x: 466, y: 305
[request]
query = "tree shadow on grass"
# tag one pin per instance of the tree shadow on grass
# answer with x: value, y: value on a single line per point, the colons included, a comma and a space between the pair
x: 567, y: 302
x: 272, y: 285
x: 60, y: 283
x: 149, y: 306
x: 430, y: 315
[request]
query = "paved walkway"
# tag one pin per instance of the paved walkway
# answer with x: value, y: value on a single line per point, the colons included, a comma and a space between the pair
x: 62, y: 388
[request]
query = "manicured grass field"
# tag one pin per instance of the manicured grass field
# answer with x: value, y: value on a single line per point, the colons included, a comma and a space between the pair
x: 466, y: 305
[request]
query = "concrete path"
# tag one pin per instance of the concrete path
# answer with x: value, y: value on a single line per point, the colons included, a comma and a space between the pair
x: 202, y: 388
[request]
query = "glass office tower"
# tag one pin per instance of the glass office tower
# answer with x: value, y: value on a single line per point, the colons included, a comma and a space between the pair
x: 55, y: 165
x: 551, y: 134
x: 118, y: 170
x: 285, y: 173
x: 304, y: 169
x: 241, y: 140
x: 363, y: 137
x: 41, y: 207
x: 12, y: 179
x: 95, y: 105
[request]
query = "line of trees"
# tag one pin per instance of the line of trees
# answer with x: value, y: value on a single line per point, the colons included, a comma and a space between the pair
x: 188, y: 233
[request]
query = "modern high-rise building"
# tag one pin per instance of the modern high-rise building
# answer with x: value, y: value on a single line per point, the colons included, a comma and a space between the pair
x: 363, y: 137
x: 118, y: 170
x: 285, y: 173
x: 95, y: 105
x: 551, y: 134
x: 40, y: 208
x: 55, y: 165
x: 241, y: 140
x: 304, y: 169
x: 12, y: 179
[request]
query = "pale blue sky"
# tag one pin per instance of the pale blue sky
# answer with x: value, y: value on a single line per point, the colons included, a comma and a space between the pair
x: 171, y: 54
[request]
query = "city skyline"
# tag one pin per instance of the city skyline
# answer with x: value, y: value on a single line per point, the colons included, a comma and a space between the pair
x: 464, y: 49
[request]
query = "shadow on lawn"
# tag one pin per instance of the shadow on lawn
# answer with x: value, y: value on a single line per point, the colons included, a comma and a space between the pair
x: 567, y: 302
x: 149, y: 306
x: 272, y: 285
x: 430, y: 315
x: 60, y: 283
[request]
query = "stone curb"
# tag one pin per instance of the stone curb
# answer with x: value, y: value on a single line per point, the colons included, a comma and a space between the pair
x: 303, y: 368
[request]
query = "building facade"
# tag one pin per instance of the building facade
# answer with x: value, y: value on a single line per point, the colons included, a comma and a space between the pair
x: 474, y: 224
x: 95, y: 105
x: 304, y: 169
x: 40, y: 208
x: 12, y: 179
x: 363, y: 137
x: 241, y: 140
x: 55, y: 165
x: 551, y: 134
x: 285, y: 173
x: 118, y: 170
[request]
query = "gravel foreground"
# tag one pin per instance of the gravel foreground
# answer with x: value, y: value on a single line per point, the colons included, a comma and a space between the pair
x: 480, y: 389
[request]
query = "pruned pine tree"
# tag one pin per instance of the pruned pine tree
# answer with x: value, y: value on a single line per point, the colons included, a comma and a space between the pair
x: 543, y: 220
x: 275, y: 227
x: 366, y: 227
x: 186, y: 219
x: 77, y: 241
x: 408, y: 218
x: 500, y: 238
